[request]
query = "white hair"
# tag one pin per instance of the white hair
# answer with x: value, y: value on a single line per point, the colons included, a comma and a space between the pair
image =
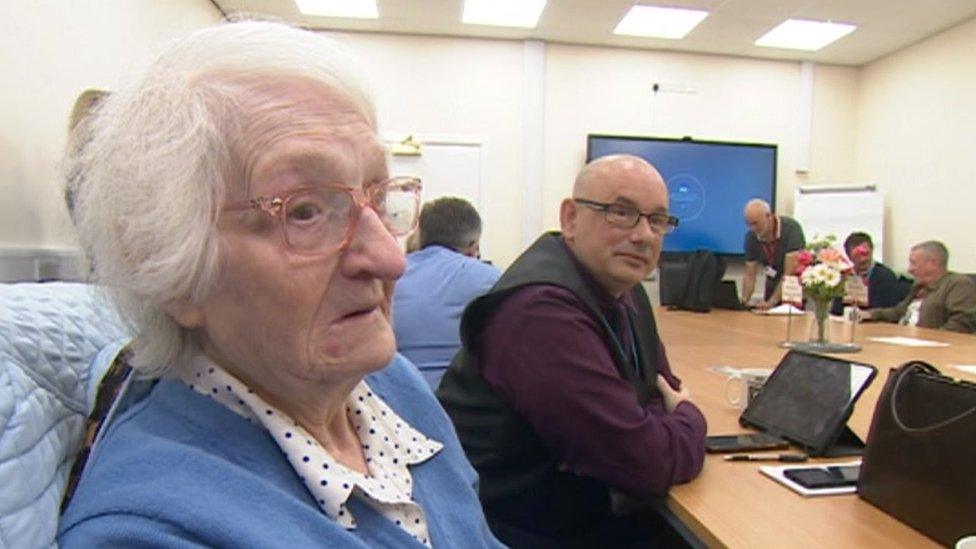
x: 757, y: 205
x: 157, y: 166
x: 936, y: 250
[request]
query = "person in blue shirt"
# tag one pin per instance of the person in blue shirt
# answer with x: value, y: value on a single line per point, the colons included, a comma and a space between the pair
x: 442, y: 277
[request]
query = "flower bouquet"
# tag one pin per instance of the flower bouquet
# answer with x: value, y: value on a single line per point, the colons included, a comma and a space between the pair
x: 822, y: 271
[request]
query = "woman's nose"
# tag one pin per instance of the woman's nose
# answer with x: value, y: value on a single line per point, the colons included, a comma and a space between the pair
x: 372, y: 250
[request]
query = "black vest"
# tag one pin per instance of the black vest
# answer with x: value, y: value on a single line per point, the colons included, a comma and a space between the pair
x: 527, y: 499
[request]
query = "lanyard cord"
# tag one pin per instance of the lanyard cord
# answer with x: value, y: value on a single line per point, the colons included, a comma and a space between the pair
x: 635, y: 364
x: 771, y: 247
x: 770, y: 250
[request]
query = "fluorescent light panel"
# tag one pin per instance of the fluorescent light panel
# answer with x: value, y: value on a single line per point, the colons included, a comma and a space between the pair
x: 363, y: 9
x: 655, y: 22
x: 503, y: 13
x: 802, y: 34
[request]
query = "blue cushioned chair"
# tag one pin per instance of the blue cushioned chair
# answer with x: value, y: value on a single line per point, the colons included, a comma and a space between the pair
x: 56, y: 340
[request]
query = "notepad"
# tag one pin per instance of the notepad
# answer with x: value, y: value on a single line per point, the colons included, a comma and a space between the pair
x: 782, y: 309
x: 775, y: 472
x: 968, y: 368
x: 726, y: 371
x: 908, y: 341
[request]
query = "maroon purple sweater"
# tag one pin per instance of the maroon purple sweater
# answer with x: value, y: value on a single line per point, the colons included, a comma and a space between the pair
x: 542, y: 353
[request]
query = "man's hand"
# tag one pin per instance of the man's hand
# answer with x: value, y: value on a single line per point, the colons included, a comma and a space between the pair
x: 671, y: 397
x: 764, y: 305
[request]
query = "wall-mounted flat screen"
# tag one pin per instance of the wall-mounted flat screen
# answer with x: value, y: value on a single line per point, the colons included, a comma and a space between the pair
x: 709, y: 183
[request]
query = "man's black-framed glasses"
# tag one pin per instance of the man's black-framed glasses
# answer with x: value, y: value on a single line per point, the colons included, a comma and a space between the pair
x: 628, y: 217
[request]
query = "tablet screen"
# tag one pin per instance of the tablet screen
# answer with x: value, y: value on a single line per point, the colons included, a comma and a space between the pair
x: 808, y: 398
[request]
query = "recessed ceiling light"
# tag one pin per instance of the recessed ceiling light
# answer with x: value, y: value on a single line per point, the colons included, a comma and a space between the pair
x: 503, y: 13
x: 364, y: 9
x: 801, y: 34
x: 658, y: 22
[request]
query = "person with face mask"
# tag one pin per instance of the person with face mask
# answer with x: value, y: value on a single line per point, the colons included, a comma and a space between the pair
x: 884, y: 287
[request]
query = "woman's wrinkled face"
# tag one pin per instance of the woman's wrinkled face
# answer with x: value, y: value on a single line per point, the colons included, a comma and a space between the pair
x: 282, y: 321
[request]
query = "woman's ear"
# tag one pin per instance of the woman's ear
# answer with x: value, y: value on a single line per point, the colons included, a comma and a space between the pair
x: 187, y: 314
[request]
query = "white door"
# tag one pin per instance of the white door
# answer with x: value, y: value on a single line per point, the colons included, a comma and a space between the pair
x: 446, y: 167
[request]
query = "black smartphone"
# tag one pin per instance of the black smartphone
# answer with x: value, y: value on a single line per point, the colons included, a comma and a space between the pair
x: 744, y: 442
x: 824, y: 477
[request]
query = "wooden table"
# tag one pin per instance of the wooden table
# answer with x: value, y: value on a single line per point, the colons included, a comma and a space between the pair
x: 733, y: 504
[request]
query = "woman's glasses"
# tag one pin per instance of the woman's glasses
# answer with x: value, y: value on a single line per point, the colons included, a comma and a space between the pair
x: 320, y: 220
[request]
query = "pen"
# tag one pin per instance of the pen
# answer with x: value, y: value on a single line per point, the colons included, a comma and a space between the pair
x: 792, y: 458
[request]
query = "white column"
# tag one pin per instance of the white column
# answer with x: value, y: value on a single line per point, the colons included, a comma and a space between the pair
x: 801, y: 163
x: 533, y: 137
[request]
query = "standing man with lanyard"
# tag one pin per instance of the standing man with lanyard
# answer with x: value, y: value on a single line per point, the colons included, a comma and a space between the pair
x: 774, y: 242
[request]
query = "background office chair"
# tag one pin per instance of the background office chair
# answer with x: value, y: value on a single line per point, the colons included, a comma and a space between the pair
x: 691, y: 283
x: 671, y: 280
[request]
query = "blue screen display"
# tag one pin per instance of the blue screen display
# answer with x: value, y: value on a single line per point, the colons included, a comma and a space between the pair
x: 709, y: 183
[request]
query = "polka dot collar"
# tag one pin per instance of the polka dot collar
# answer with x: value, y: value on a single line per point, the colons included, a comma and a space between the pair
x: 389, y: 443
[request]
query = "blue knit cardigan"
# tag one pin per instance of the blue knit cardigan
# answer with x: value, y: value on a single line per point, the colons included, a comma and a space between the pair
x: 178, y: 469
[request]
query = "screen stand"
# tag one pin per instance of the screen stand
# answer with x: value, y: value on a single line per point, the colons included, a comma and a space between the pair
x: 846, y: 444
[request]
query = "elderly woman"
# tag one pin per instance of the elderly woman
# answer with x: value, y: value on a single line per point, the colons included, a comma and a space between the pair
x: 237, y: 203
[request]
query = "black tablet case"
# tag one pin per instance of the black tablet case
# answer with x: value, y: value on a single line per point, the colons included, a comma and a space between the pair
x: 807, y: 401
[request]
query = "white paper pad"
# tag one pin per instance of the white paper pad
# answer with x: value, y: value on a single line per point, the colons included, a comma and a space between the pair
x: 781, y: 309
x: 775, y: 472
x: 969, y: 369
x: 909, y: 341
x: 726, y: 371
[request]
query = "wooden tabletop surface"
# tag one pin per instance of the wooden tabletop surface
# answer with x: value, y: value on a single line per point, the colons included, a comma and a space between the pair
x: 733, y: 504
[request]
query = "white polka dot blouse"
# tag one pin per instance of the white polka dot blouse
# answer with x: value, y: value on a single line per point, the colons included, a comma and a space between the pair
x: 390, y: 445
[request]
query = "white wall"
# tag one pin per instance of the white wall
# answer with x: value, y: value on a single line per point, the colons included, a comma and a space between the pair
x: 51, y: 50
x: 916, y: 139
x: 463, y: 88
x: 603, y: 90
x: 433, y: 85
x: 833, y: 136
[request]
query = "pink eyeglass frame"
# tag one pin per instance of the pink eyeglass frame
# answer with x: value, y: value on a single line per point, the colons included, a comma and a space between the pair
x: 274, y: 206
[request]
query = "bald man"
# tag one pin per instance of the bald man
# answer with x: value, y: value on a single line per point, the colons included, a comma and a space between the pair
x: 562, y: 394
x: 773, y: 242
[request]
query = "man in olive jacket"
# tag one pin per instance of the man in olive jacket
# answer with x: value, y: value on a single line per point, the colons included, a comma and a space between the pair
x: 939, y: 299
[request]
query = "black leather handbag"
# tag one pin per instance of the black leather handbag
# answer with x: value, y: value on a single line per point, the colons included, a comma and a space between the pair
x: 920, y: 460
